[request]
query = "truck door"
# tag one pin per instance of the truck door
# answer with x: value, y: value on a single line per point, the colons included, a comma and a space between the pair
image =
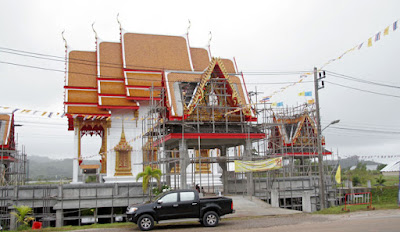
x: 166, y: 209
x: 188, y: 205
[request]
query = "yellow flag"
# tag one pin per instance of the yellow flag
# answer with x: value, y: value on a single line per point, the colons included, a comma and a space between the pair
x: 370, y: 42
x: 338, y: 175
x: 386, y: 31
x: 273, y: 104
x: 311, y: 101
x: 301, y: 93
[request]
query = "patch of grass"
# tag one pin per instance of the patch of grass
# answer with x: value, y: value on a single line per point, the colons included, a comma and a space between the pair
x: 93, y: 226
x: 390, y: 180
x: 382, y: 198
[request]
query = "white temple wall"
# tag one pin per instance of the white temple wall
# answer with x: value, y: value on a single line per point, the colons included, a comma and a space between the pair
x: 133, y: 134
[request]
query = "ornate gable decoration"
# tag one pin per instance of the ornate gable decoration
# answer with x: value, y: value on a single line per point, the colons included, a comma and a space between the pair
x: 123, y: 157
x: 123, y: 145
x: 291, y: 128
x: 201, y: 87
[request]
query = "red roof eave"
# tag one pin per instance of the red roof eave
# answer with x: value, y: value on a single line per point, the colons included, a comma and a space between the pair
x: 210, y: 136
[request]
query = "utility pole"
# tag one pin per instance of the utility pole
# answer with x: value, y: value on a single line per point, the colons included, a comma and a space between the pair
x: 319, y: 144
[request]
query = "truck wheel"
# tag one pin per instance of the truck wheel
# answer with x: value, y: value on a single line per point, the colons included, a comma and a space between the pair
x: 145, y: 222
x: 210, y: 219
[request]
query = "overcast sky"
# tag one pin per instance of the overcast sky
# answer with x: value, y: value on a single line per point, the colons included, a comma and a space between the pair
x: 261, y: 35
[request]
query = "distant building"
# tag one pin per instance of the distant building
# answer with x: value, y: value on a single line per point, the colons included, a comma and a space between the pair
x: 370, y: 167
x: 391, y: 169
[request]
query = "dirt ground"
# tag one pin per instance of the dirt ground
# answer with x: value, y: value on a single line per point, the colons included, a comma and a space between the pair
x: 382, y: 220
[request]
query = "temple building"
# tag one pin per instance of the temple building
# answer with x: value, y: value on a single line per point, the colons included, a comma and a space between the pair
x: 294, y: 135
x: 155, y: 100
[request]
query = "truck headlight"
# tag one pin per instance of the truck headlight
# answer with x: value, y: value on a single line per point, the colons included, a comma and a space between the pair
x: 132, y: 209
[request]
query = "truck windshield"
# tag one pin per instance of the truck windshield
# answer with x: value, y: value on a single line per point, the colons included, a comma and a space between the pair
x: 160, y: 196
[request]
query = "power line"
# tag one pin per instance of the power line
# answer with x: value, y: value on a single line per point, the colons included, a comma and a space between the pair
x: 106, y: 76
x: 338, y: 75
x: 119, y: 66
x: 366, y: 130
x: 363, y: 90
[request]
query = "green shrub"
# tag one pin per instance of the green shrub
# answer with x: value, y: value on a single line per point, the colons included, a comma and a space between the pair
x: 356, y: 181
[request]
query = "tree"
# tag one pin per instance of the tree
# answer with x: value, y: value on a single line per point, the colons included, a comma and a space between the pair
x: 356, y: 181
x: 23, y: 215
x: 380, y: 180
x: 147, y: 174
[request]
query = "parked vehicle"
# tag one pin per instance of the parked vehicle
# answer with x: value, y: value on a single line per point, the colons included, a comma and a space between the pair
x: 180, y: 204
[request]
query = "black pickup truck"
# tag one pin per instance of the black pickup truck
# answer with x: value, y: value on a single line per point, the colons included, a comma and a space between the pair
x: 177, y: 205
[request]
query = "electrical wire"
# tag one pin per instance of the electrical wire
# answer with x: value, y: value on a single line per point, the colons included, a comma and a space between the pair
x: 144, y: 79
x: 363, y: 90
x: 365, y: 130
x: 118, y: 66
x: 338, y: 75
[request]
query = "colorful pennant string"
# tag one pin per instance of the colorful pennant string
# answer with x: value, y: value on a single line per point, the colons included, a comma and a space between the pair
x: 370, y: 41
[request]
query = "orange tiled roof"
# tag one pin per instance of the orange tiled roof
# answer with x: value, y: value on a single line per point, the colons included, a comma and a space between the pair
x: 110, y: 60
x: 118, y: 75
x: 155, y: 52
x: 200, y: 58
x: 81, y: 89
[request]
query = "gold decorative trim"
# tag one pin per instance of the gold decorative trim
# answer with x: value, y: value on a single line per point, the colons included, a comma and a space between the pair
x: 123, y: 157
x: 205, y: 78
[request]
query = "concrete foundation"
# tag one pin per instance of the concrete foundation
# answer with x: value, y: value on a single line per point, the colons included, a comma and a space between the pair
x: 306, y: 202
x: 59, y: 205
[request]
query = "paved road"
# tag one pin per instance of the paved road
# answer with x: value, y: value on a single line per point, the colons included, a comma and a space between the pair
x: 369, y: 221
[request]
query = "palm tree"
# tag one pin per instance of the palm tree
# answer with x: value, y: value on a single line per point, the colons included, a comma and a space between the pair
x: 22, y: 215
x: 147, y: 174
x: 380, y: 180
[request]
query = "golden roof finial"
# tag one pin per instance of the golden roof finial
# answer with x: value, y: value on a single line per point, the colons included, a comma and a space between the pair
x: 120, y: 27
x: 95, y: 33
x: 123, y: 131
x: 65, y: 41
x: 209, y: 39
x: 190, y: 24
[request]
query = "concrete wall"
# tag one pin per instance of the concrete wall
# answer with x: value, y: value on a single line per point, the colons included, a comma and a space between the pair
x: 283, y: 188
x: 50, y: 198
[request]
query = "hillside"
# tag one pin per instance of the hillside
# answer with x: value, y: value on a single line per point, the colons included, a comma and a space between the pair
x: 44, y: 168
x: 351, y: 161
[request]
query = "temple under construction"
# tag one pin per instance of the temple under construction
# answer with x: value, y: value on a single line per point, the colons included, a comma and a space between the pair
x: 12, y: 161
x: 155, y: 100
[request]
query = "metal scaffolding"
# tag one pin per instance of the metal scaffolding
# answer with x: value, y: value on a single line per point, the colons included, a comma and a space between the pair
x: 13, y: 167
x: 290, y: 133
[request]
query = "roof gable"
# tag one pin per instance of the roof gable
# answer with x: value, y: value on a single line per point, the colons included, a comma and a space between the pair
x: 292, y: 129
x: 216, y: 70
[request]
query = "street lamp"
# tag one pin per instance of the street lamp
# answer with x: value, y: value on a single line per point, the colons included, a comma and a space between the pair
x: 333, y: 122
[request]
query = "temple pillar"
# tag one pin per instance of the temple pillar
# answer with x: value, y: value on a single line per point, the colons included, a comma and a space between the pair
x: 168, y: 166
x: 77, y: 153
x: 222, y: 163
x: 103, y: 151
x: 249, y: 175
x: 184, y: 162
